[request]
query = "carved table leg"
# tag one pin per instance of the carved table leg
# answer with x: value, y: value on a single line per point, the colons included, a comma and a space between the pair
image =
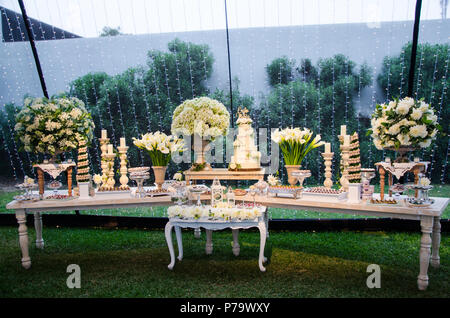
x: 236, y: 247
x: 416, y: 180
x: 390, y: 182
x: 436, y: 241
x: 262, y: 244
x: 209, y: 243
x: 197, y: 233
x: 382, y: 172
x: 168, y: 233
x: 41, y: 182
x: 23, y: 238
x: 426, y: 224
x: 38, y: 228
x: 179, y: 242
x: 69, y: 181
x: 266, y: 220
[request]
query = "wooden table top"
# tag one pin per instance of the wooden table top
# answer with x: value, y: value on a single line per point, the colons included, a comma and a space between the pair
x: 126, y: 200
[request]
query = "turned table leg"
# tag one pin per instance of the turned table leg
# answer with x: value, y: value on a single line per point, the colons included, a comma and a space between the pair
x: 262, y: 244
x: 382, y: 172
x: 179, y: 242
x: 23, y: 238
x: 436, y: 241
x: 41, y: 182
x: 236, y: 247
x: 416, y: 180
x: 390, y: 181
x: 426, y: 224
x: 197, y: 233
x: 209, y: 243
x: 38, y: 228
x: 168, y: 233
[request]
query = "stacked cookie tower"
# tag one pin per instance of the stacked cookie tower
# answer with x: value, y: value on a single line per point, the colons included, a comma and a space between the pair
x: 354, y: 161
x: 83, y: 163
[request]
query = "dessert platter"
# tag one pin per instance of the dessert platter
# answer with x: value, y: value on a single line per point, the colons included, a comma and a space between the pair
x: 327, y: 194
x: 28, y: 185
x: 285, y: 191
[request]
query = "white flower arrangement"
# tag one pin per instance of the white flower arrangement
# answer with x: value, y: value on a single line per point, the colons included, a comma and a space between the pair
x: 159, y: 146
x: 295, y: 143
x: 272, y: 180
x: 53, y: 125
x: 403, y: 123
x: 424, y: 181
x: 223, y: 212
x: 203, y: 116
x: 178, y: 176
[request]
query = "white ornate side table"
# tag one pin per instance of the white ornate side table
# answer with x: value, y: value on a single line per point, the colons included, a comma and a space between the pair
x: 214, y: 225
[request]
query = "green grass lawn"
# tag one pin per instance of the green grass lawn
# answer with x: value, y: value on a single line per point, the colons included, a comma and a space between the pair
x: 133, y: 263
x: 437, y: 191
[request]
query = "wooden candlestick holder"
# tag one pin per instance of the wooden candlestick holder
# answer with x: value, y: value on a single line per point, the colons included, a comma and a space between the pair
x: 123, y: 168
x: 104, y: 163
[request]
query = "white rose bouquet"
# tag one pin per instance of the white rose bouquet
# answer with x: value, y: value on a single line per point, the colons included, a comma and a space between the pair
x: 159, y: 146
x: 295, y: 144
x: 202, y: 116
x: 403, y: 123
x: 53, y: 125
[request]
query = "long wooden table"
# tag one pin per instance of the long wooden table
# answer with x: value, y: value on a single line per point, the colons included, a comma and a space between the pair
x: 429, y: 217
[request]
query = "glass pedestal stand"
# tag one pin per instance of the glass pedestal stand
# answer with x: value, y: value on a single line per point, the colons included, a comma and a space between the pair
x: 140, y: 193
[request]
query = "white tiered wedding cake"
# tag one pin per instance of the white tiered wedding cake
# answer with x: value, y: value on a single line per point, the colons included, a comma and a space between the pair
x: 246, y: 155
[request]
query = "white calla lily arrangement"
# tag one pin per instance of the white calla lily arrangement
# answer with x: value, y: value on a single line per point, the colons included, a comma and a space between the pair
x: 159, y: 146
x: 404, y: 123
x: 295, y: 143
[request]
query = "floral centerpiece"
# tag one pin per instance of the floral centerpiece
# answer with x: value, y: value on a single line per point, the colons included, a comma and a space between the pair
x: 205, y: 119
x: 295, y: 144
x: 221, y: 212
x: 53, y: 126
x: 403, y: 125
x: 160, y: 148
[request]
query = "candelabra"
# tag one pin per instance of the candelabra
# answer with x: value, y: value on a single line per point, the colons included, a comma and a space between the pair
x: 123, y: 168
x: 345, y: 149
x: 328, y: 157
x: 104, y: 162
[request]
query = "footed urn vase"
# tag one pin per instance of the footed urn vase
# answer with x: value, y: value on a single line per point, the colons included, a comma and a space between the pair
x: 160, y: 173
x: 291, y: 168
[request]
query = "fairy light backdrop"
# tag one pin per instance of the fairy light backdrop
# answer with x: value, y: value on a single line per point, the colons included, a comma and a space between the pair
x: 260, y: 31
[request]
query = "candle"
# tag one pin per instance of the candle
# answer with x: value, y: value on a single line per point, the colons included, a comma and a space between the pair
x: 346, y: 139
x: 110, y: 149
x: 122, y: 142
x: 327, y: 147
x: 104, y: 134
x: 343, y: 130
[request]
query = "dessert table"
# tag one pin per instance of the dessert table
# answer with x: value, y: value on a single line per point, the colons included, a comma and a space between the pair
x: 429, y: 217
x: 213, y: 225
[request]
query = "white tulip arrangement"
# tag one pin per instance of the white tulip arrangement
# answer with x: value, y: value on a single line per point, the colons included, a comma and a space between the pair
x: 404, y: 123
